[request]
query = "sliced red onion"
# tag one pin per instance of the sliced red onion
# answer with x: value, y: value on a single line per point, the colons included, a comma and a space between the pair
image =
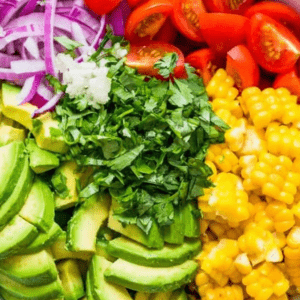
x: 100, y: 33
x: 38, y: 101
x: 22, y: 66
x: 11, y: 13
x: 44, y: 92
x: 32, y: 47
x: 118, y: 18
x: 29, y: 89
x: 78, y: 36
x: 16, y: 33
x: 10, y: 75
x: 6, y: 59
x: 29, y: 7
x: 49, y: 105
x: 49, y: 42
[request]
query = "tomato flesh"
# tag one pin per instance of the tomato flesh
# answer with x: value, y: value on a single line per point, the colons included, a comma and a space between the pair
x: 242, y: 67
x: 147, y: 19
x: 205, y: 62
x: 273, y: 46
x: 144, y: 56
x: 167, y: 33
x: 186, y: 17
x: 228, y: 6
x: 101, y: 7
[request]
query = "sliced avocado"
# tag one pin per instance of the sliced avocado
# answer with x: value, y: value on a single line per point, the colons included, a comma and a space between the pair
x: 169, y: 255
x: 44, y: 292
x: 101, y: 250
x: 162, y: 296
x: 174, y: 233
x: 99, y: 287
x: 191, y: 221
x: 43, y: 240
x: 65, y: 181
x: 31, y: 270
x: 88, y: 287
x: 179, y: 295
x: 149, y: 279
x: 59, y: 250
x: 8, y: 296
x: 71, y: 280
x: 13, y: 204
x: 143, y: 296
x: 85, y: 223
x: 16, y: 234
x: 48, y: 135
x: 11, y: 166
x: 12, y: 109
x: 9, y: 134
x: 39, y: 206
x: 153, y: 240
x: 40, y: 160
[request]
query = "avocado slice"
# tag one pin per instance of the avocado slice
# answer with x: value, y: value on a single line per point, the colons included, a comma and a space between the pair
x: 101, y: 250
x: 31, y: 270
x: 169, y: 255
x: 17, y: 234
x: 88, y: 287
x: 191, y: 222
x: 40, y: 160
x: 49, y: 291
x: 43, y: 240
x: 11, y: 165
x: 149, y: 279
x: 8, y: 296
x: 174, y: 233
x: 9, y: 134
x: 163, y: 296
x: 179, y: 295
x: 13, y: 204
x: 39, y: 206
x: 99, y: 287
x: 65, y: 180
x: 153, y: 240
x: 59, y: 250
x: 85, y: 223
x: 143, y: 296
x: 71, y: 280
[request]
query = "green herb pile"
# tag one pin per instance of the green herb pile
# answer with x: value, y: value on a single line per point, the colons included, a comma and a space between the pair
x: 148, y: 144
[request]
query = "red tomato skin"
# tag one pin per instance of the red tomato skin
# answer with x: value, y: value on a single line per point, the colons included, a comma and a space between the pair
x: 144, y: 64
x: 102, y: 7
x: 289, y: 80
x: 167, y: 33
x: 228, y: 6
x: 242, y: 67
x: 288, y: 55
x: 223, y: 31
x: 133, y: 3
x: 181, y: 22
x: 206, y: 62
x: 279, y: 12
x: 141, y: 13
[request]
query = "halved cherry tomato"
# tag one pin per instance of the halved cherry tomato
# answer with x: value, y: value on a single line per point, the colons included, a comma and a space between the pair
x: 206, y: 63
x: 186, y: 17
x: 144, y: 56
x: 102, y: 7
x: 223, y: 31
x: 279, y: 12
x: 167, y: 33
x: 289, y: 80
x: 242, y: 67
x: 147, y: 19
x: 133, y: 3
x: 228, y: 6
x: 273, y: 46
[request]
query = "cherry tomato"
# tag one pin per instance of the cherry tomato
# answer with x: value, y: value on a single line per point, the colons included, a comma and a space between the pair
x: 279, y: 12
x: 167, y: 33
x: 228, y: 6
x: 242, y: 67
x: 133, y: 3
x: 273, y: 46
x: 147, y: 19
x: 289, y: 80
x: 144, y: 56
x: 206, y: 63
x: 102, y: 7
x: 223, y: 31
x: 186, y: 17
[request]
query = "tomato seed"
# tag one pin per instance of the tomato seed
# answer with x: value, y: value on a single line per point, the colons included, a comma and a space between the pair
x: 190, y: 15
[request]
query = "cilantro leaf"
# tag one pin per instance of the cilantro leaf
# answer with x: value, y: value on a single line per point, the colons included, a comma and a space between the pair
x: 69, y: 44
x: 167, y: 64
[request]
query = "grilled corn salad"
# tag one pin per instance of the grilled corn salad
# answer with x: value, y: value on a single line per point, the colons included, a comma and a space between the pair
x: 251, y: 217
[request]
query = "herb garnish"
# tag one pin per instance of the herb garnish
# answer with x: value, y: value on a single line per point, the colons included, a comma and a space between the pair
x: 147, y: 144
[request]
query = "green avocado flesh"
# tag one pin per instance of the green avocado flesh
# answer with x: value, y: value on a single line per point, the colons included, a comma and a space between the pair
x: 99, y: 287
x: 31, y: 270
x: 149, y: 279
x: 169, y: 255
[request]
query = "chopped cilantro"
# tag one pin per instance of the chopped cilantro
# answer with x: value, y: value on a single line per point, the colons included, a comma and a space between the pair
x: 68, y: 44
x: 167, y: 64
x: 148, y: 144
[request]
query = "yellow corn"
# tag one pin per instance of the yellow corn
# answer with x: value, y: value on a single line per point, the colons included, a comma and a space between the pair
x: 222, y: 86
x: 229, y: 104
x: 233, y: 292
